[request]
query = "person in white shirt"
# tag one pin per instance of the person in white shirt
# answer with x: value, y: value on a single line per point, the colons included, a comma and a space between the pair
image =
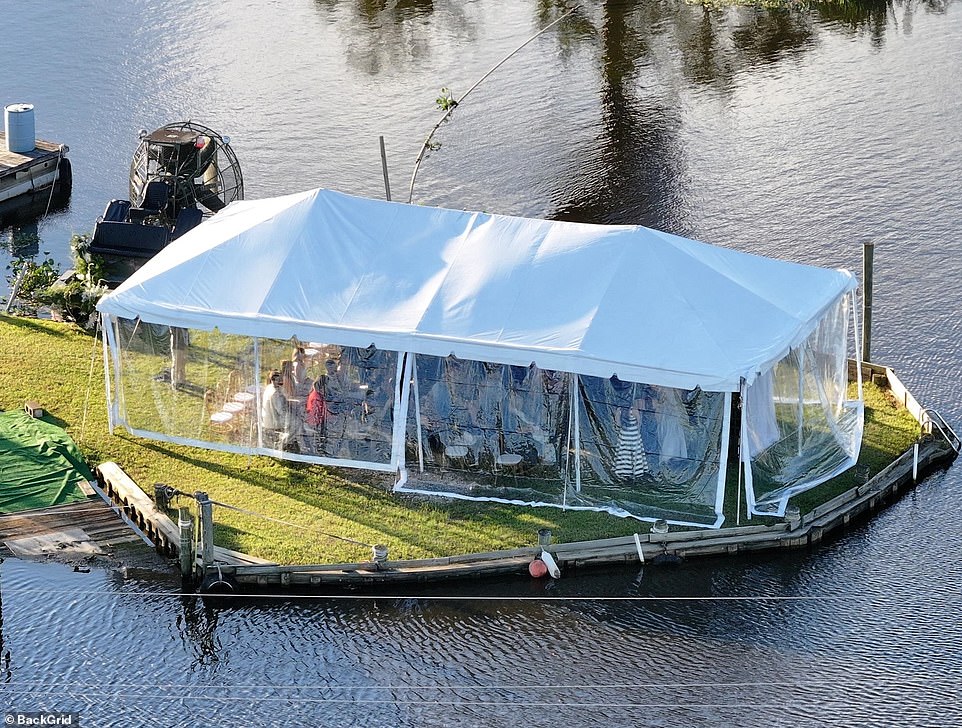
x: 280, y: 425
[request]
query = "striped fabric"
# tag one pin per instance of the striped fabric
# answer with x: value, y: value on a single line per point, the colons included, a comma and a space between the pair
x: 630, y: 459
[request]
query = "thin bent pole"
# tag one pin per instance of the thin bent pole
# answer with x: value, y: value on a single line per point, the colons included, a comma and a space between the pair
x: 447, y: 113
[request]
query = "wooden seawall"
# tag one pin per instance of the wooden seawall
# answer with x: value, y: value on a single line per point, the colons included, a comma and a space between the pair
x: 812, y: 528
x: 231, y: 571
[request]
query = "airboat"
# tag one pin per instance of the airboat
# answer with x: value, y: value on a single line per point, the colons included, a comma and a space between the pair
x: 180, y: 174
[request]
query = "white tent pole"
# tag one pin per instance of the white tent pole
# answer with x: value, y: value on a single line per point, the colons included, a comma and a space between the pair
x: 741, y: 464
x: 858, y: 350
x: 723, y: 456
x: 749, y: 479
x: 567, y: 445
x: 120, y: 406
x: 744, y: 456
x: 105, y: 326
x: 401, y: 398
x: 576, y: 404
x: 257, y: 391
x: 801, y: 394
x: 417, y: 409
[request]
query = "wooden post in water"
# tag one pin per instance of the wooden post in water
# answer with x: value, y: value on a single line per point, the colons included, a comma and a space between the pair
x: 868, y: 261
x: 186, y: 525
x: 206, y: 529
x: 387, y: 183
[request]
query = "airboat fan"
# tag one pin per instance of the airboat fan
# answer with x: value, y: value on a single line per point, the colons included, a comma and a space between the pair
x: 192, y: 165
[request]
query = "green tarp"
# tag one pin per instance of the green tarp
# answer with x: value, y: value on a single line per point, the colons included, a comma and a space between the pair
x: 40, y: 465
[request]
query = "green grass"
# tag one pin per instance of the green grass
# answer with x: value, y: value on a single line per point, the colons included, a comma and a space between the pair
x: 62, y: 368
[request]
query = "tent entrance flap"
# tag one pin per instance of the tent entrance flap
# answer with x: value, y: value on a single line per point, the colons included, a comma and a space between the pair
x: 803, y: 424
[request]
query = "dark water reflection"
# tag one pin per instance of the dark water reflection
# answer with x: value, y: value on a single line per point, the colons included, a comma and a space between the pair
x: 793, y: 133
x: 119, y: 650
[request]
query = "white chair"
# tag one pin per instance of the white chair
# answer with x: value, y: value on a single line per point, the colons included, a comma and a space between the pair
x: 507, y: 462
x: 456, y: 455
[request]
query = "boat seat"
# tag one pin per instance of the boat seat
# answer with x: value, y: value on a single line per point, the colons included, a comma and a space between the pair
x: 189, y: 217
x: 128, y: 239
x: 116, y: 211
x: 156, y: 197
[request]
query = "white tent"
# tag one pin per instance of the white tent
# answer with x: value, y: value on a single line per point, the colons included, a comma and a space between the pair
x: 590, y: 300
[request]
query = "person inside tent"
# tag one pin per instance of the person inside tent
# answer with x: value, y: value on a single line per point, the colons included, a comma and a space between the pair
x: 317, y: 413
x: 670, y: 414
x: 300, y: 381
x: 282, y: 428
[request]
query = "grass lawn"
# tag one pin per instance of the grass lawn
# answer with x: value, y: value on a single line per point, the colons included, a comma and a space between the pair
x: 61, y: 367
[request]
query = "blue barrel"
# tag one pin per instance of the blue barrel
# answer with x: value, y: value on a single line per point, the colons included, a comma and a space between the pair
x: 18, y: 123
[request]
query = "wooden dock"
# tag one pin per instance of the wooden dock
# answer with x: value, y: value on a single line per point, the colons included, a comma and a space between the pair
x: 70, y: 533
x: 31, y: 182
x: 20, y: 161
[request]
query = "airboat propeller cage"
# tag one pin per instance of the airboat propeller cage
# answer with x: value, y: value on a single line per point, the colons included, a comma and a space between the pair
x: 198, y: 165
x: 490, y: 357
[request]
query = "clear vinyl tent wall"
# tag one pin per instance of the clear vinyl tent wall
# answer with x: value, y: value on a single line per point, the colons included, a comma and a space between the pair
x: 332, y: 405
x: 801, y: 428
x: 536, y: 437
x: 470, y: 429
x: 482, y: 430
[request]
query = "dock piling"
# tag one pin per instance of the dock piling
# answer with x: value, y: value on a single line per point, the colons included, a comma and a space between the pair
x: 185, y: 524
x: 387, y: 182
x: 206, y: 529
x: 868, y: 263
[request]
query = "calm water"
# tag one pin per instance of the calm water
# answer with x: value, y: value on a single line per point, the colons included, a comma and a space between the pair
x: 797, y: 134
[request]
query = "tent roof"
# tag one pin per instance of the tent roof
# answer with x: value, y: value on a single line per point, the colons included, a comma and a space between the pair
x: 592, y: 299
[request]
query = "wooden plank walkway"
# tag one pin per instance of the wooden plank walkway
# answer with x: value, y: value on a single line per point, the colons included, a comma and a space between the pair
x: 18, y: 161
x: 104, y: 528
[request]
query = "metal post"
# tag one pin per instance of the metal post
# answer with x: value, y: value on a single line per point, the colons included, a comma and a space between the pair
x: 16, y: 287
x: 387, y: 183
x: 162, y: 496
x: 868, y: 261
x: 186, y: 525
x: 206, y: 529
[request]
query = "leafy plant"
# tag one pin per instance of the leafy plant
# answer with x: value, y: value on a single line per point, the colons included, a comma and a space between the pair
x: 446, y: 101
x: 90, y: 268
x: 75, y: 300
x: 28, y: 280
x: 37, y: 284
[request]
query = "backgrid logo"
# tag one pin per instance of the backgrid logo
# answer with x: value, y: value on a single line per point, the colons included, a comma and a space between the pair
x: 41, y: 719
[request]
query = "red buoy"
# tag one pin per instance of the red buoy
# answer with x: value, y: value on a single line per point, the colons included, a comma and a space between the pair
x: 537, y: 568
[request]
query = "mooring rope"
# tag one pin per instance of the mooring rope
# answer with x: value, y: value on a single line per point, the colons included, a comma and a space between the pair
x: 53, y: 186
